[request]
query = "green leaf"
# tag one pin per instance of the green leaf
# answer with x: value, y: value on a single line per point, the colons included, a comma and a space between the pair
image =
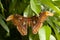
x: 2, y: 16
x: 44, y: 33
x: 28, y: 12
x: 33, y: 36
x: 51, y: 5
x: 35, y: 6
x: 56, y: 22
x: 54, y: 28
x: 57, y: 3
x: 52, y: 37
x: 55, y: 0
x: 2, y: 8
x: 21, y: 6
x: 17, y: 6
x: 12, y: 6
x: 4, y: 25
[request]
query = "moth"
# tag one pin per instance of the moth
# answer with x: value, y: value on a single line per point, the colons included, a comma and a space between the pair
x: 35, y: 22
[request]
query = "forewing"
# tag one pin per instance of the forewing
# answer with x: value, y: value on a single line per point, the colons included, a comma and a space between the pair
x: 22, y: 29
x: 36, y: 28
x: 21, y: 24
x: 35, y: 24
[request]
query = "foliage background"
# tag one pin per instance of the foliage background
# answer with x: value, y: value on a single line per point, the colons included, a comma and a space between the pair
x: 50, y: 29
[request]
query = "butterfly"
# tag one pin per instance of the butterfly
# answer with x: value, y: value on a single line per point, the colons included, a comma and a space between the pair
x: 35, y: 22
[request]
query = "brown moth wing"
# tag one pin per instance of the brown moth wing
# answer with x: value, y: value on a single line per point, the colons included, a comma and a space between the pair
x: 35, y: 24
x: 18, y: 21
x: 21, y: 25
x: 22, y: 29
x: 36, y: 28
x: 40, y: 21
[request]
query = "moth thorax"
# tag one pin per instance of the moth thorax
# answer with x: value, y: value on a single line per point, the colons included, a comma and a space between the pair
x: 20, y: 18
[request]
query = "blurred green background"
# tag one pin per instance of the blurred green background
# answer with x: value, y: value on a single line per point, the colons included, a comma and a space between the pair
x: 50, y: 29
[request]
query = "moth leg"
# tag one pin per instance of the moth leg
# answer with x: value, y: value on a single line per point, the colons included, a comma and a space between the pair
x: 36, y: 28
